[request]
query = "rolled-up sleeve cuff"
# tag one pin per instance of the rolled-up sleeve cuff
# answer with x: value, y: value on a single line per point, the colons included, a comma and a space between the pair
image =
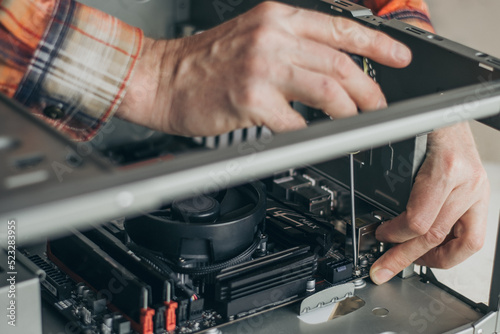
x: 80, y: 69
x: 414, y: 12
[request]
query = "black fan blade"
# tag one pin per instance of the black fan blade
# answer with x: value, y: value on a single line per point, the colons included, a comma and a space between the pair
x: 237, y: 213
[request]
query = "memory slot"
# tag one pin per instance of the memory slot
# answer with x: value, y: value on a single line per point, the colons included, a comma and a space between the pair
x: 84, y: 261
x: 134, y: 263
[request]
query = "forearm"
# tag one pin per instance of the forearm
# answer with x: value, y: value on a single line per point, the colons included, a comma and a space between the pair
x: 68, y: 63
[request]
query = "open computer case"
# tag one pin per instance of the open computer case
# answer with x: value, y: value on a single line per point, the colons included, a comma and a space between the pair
x: 246, y: 232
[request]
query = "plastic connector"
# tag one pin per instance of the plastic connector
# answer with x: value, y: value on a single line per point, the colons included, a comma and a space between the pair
x: 170, y: 317
x: 147, y: 324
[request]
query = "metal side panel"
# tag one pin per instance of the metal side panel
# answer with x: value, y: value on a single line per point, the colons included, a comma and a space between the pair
x: 418, y: 308
x: 486, y: 324
x: 465, y: 329
x: 413, y: 308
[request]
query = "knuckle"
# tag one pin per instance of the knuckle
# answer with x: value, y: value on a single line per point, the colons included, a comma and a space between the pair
x: 474, y: 244
x: 340, y: 108
x: 338, y: 29
x: 478, y: 176
x: 452, y: 166
x: 348, y: 30
x: 342, y: 25
x: 268, y: 8
x: 417, y: 224
x: 260, y: 35
x: 330, y: 97
x: 377, y: 42
x: 457, y: 169
x: 248, y: 97
x: 328, y: 89
x: 343, y: 66
x: 372, y: 96
x: 435, y: 236
x: 347, y: 109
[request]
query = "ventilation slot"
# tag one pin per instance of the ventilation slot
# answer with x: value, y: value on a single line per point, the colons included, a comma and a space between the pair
x: 29, y: 161
x: 343, y: 3
x: 416, y: 31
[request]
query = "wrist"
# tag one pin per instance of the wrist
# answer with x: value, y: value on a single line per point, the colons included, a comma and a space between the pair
x: 450, y: 134
x: 148, y: 88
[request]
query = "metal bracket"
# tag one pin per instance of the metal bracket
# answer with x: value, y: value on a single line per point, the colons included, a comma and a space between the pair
x: 408, y: 271
x: 327, y: 297
x: 349, y: 9
x: 487, y: 324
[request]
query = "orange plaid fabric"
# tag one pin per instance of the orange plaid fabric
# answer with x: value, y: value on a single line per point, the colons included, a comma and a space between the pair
x: 60, y: 53
x: 414, y: 12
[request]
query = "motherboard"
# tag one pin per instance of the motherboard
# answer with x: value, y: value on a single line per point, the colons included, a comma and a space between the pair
x: 198, y: 263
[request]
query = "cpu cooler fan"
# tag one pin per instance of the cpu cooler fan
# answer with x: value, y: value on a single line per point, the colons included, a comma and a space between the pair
x: 205, y: 229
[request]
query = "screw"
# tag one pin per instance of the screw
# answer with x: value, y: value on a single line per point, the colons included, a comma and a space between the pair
x: 359, y: 283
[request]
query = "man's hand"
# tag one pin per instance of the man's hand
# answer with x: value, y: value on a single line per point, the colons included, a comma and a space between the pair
x: 247, y: 70
x: 445, y: 219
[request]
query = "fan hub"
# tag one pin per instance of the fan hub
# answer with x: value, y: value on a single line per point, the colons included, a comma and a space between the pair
x: 200, y: 209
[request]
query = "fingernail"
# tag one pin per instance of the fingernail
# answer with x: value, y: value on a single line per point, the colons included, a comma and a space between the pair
x: 382, y: 103
x: 382, y: 275
x: 401, y: 53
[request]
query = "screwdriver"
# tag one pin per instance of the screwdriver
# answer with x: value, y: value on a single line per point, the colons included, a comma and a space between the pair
x: 353, y: 213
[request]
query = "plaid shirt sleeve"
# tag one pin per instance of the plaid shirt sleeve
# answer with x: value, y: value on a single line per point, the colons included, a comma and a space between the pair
x: 70, y: 64
x: 414, y: 12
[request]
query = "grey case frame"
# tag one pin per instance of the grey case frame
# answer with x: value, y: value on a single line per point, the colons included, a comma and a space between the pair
x: 72, y: 187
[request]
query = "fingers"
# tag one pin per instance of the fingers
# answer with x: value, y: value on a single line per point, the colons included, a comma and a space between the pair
x: 319, y: 91
x: 307, y: 66
x: 259, y: 61
x: 467, y: 238
x: 433, y: 243
x: 402, y: 255
x: 315, y: 57
x: 424, y: 207
x: 433, y: 185
x: 445, y: 221
x: 347, y: 35
x: 279, y: 116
